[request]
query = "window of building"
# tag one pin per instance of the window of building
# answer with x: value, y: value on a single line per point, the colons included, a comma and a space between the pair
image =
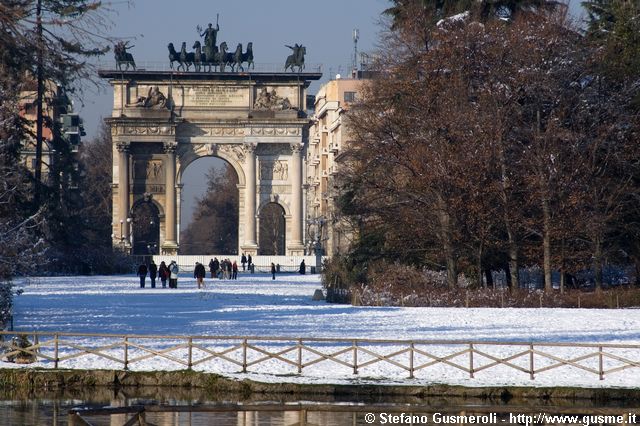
x: 349, y: 96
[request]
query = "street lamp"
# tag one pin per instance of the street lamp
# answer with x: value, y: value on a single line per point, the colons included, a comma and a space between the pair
x: 316, y: 244
x: 129, y: 220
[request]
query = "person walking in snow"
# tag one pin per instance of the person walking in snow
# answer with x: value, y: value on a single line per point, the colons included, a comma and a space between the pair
x: 142, y: 273
x: 273, y: 271
x: 153, y: 273
x: 243, y: 260
x: 199, y: 273
x: 173, y: 277
x: 211, y: 270
x: 234, y: 270
x: 163, y: 274
x: 249, y: 262
x: 303, y: 268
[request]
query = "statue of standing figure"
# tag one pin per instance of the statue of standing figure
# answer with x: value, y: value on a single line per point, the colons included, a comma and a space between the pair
x: 210, y: 35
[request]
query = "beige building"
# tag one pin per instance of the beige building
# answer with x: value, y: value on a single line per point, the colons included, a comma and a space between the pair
x: 328, y: 137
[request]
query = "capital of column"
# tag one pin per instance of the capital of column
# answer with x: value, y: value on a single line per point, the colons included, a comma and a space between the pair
x: 296, y: 148
x: 250, y: 148
x: 123, y: 146
x: 170, y: 147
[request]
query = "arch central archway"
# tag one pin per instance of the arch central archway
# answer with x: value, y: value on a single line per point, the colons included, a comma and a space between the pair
x: 272, y: 233
x: 209, y: 207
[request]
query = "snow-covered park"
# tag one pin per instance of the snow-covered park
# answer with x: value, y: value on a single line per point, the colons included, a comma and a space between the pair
x: 255, y: 305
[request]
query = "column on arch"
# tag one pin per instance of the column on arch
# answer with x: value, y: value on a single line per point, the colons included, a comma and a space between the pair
x: 250, y: 196
x: 296, y: 196
x: 123, y: 188
x: 170, y: 244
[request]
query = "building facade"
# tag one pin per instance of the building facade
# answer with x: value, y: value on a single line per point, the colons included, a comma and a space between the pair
x: 327, y: 139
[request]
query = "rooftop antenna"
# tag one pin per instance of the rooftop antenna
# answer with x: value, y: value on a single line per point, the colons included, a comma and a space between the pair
x: 354, y: 64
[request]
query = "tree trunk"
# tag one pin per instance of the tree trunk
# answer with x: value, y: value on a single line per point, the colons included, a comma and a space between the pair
x: 489, y: 278
x: 513, y: 282
x: 39, y: 101
x: 546, y: 244
x: 562, y: 268
x: 481, y: 283
x: 447, y: 246
x: 597, y: 262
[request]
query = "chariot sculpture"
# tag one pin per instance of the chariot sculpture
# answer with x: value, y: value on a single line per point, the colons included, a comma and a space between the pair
x: 208, y: 56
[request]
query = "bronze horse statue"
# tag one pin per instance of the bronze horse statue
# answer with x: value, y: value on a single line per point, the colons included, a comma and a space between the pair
x: 248, y: 56
x: 186, y: 58
x: 198, y: 57
x: 173, y: 55
x: 236, y: 58
x: 122, y: 56
x: 296, y: 59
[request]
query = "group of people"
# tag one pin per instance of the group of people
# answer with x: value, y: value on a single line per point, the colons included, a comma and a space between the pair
x: 226, y: 269
x: 163, y: 272
x: 223, y: 270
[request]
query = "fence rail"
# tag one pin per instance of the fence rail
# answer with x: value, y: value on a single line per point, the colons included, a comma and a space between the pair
x: 234, y: 354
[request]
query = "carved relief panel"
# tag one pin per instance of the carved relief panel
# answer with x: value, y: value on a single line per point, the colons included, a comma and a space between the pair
x: 148, y: 176
x: 274, y: 170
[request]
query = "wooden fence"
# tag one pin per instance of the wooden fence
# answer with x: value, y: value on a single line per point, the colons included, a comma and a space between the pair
x: 284, y: 355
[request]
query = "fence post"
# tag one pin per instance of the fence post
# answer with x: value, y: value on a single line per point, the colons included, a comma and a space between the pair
x: 55, y: 351
x: 126, y: 352
x: 471, y: 360
x: 355, y: 357
x: 411, y: 360
x: 244, y: 355
x: 600, y: 363
x: 531, y: 370
x: 190, y: 361
x: 299, y: 356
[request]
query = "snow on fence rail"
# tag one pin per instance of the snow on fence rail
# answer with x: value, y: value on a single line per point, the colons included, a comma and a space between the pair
x: 391, y: 359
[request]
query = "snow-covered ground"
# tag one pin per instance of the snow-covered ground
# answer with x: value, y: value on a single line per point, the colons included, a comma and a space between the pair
x: 255, y: 305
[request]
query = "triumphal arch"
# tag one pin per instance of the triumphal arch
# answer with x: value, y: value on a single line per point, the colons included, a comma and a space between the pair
x: 164, y: 120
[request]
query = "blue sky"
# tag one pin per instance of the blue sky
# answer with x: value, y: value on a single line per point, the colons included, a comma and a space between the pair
x: 324, y: 26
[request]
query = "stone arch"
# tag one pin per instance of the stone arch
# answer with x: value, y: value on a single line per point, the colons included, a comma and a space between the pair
x: 276, y: 200
x: 272, y: 229
x: 187, y: 157
x: 147, y: 217
x: 153, y: 201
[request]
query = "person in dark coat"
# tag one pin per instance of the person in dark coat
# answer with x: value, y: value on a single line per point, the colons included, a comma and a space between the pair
x: 216, y: 267
x: 303, y: 268
x: 142, y: 273
x: 249, y: 261
x: 273, y: 271
x: 229, y: 269
x: 243, y: 260
x: 199, y: 274
x: 234, y: 270
x: 163, y: 274
x: 211, y: 270
x: 153, y: 273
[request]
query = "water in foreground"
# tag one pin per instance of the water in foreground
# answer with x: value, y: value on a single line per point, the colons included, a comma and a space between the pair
x: 173, y: 407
